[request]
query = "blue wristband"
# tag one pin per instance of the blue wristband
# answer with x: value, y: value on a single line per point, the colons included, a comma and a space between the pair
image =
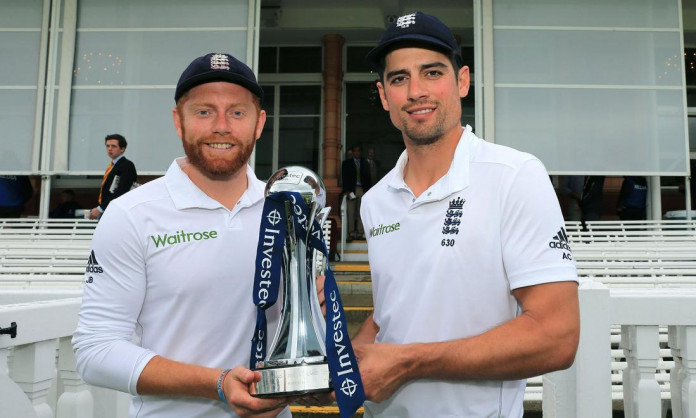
x: 221, y: 380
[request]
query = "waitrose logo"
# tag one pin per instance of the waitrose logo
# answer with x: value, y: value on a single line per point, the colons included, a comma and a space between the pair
x: 182, y: 236
x: 384, y: 229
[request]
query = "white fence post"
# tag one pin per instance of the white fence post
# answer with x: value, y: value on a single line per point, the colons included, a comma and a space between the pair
x: 13, y: 401
x: 641, y: 391
x: 678, y: 372
x: 76, y: 400
x: 34, y: 370
x: 682, y: 341
x: 689, y: 361
x: 566, y: 392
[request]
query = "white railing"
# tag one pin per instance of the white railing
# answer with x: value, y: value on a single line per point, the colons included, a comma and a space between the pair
x: 37, y: 365
x: 586, y: 390
x: 33, y: 384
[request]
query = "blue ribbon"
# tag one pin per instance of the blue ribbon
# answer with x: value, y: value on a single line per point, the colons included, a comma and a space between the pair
x: 343, y: 366
x: 269, y: 258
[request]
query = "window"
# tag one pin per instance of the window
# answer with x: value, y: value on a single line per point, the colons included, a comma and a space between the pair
x: 293, y: 129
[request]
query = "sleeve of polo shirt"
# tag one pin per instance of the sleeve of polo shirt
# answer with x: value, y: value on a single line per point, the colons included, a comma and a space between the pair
x: 531, y: 219
x: 115, y: 285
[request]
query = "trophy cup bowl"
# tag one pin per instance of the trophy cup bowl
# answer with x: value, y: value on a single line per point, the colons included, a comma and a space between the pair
x: 296, y: 362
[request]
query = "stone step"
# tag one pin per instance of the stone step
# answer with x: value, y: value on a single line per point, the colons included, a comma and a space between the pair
x: 356, y: 317
x: 354, y: 284
x: 330, y: 411
x: 350, y: 268
x: 355, y: 245
x: 354, y: 251
x: 354, y: 256
x: 355, y: 294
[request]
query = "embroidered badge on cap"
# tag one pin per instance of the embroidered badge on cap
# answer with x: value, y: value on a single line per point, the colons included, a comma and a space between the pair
x: 406, y: 21
x: 219, y: 62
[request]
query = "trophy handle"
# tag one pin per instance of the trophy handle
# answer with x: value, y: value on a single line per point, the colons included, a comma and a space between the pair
x: 322, y: 215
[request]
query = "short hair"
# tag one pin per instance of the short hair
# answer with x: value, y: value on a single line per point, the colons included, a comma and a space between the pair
x: 122, y: 143
x: 382, y: 63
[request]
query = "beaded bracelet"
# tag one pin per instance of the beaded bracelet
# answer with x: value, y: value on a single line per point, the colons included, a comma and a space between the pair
x: 221, y: 380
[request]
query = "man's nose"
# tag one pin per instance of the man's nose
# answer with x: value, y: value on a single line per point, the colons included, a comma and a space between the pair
x: 222, y: 124
x: 416, y: 88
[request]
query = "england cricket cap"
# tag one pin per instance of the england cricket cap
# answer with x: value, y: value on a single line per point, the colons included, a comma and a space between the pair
x: 217, y: 67
x: 415, y: 27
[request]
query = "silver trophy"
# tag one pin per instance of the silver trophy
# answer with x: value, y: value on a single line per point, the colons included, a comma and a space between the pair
x: 296, y: 360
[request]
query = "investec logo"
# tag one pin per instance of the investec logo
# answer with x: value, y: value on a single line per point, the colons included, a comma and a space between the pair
x: 182, y: 236
x: 347, y: 385
x: 384, y: 229
x: 269, y: 237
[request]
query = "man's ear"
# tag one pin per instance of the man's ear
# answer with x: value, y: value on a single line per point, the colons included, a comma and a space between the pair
x: 382, y: 96
x: 464, y: 80
x: 260, y: 123
x: 177, y: 121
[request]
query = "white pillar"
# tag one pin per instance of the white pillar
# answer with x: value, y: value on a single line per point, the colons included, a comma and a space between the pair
x: 34, y: 370
x: 584, y: 390
x: 682, y: 341
x: 655, y: 198
x: 76, y: 400
x: 677, y: 374
x: 641, y: 391
x: 13, y: 402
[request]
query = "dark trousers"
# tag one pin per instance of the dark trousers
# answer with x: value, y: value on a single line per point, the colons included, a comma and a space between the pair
x: 632, y: 214
x: 10, y: 212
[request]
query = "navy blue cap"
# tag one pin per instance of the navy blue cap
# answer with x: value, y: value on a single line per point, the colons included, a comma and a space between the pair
x: 217, y: 67
x: 416, y: 27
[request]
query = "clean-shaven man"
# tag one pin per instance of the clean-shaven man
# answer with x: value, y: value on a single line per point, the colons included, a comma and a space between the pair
x: 473, y: 284
x: 119, y: 176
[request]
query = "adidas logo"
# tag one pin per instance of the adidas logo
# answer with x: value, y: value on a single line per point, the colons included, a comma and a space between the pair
x: 92, y: 264
x: 560, y: 240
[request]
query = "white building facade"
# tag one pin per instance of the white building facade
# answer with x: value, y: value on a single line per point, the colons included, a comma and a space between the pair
x: 591, y: 88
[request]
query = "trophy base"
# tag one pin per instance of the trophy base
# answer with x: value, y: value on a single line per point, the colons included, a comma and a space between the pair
x: 293, y: 380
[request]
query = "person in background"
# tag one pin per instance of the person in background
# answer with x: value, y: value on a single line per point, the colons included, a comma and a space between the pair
x: 591, y: 204
x: 633, y: 198
x: 119, y: 176
x: 67, y: 206
x: 374, y: 166
x: 355, y: 176
x: 571, y: 187
x: 15, y: 191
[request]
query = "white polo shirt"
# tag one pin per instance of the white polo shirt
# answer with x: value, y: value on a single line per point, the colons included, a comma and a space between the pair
x: 444, y: 265
x: 171, y: 274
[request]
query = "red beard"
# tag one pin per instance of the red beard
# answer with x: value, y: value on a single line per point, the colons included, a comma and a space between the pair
x: 216, y: 168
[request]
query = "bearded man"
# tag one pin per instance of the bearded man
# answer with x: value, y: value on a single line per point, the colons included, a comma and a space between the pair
x: 167, y: 310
